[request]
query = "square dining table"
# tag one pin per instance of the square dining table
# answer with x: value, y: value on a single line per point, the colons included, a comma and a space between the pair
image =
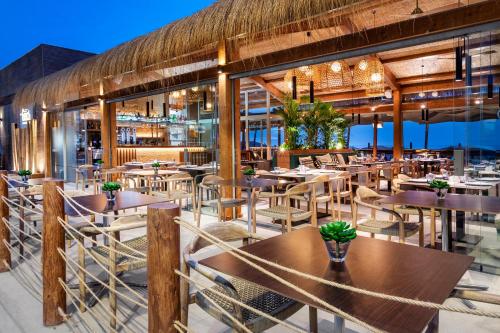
x: 371, y: 264
x: 452, y: 202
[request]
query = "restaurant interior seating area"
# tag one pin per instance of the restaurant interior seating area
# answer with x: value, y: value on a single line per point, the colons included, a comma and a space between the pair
x: 338, y: 170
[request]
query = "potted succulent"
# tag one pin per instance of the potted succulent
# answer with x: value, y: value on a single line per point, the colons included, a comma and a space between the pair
x: 249, y: 174
x: 110, y: 189
x: 99, y: 164
x: 440, y: 187
x: 156, y: 167
x: 337, y: 236
x: 25, y: 175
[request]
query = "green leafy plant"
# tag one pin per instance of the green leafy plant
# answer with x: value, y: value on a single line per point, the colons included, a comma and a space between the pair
x: 332, y: 125
x: 249, y: 172
x: 338, y: 231
x: 100, y: 162
x: 290, y: 112
x: 111, y: 186
x: 439, y: 184
x: 156, y: 165
x: 23, y: 173
x: 311, y: 120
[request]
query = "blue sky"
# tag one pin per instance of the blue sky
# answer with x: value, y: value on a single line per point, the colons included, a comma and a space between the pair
x: 88, y: 25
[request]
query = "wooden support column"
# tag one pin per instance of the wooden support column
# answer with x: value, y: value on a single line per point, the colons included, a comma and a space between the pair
x: 47, y: 135
x: 398, y: 125
x: 108, y: 132
x: 229, y: 127
x: 53, y: 265
x: 5, y: 257
x: 268, y: 125
x: 375, y: 135
x: 247, y: 125
x: 163, y: 259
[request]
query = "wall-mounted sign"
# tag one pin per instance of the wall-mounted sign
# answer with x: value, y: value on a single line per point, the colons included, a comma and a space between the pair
x: 26, y: 115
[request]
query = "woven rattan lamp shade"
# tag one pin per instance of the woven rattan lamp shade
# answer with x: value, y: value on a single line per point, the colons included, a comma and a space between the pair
x: 333, y: 75
x: 369, y: 75
x: 302, y: 79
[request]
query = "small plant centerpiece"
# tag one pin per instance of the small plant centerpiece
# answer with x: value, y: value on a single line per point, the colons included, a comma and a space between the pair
x: 337, y: 236
x: 99, y: 164
x: 249, y: 174
x: 440, y: 187
x: 156, y: 167
x: 25, y: 175
x: 110, y: 188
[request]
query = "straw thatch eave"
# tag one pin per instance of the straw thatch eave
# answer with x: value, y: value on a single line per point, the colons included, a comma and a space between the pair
x: 225, y: 19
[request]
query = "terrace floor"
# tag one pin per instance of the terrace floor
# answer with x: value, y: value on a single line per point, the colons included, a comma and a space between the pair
x: 21, y: 308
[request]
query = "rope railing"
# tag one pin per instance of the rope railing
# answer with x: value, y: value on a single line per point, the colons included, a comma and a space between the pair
x: 73, y: 204
x: 9, y: 180
x: 242, y: 255
x: 91, y: 310
x: 70, y: 263
x: 238, y: 302
x: 32, y: 256
x: 18, y: 229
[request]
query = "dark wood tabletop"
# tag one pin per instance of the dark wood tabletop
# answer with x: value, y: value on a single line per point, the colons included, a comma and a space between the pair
x: 377, y: 265
x: 255, y: 183
x: 460, y: 202
x: 124, y: 200
x: 31, y: 182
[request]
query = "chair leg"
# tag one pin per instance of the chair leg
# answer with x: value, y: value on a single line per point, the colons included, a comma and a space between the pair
x: 421, y: 235
x: 313, y: 320
x: 184, y: 294
x: 433, y: 228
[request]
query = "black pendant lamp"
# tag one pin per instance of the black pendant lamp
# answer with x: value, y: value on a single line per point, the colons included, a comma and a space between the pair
x: 458, y: 64
x: 359, y: 118
x: 468, y: 70
x: 205, y: 100
x: 426, y: 114
x: 311, y: 92
x: 147, y: 109
x: 352, y: 117
x: 164, y: 110
x: 490, y: 86
x: 294, y: 87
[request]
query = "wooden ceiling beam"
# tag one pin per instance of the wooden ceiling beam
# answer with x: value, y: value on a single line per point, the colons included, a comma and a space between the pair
x: 390, y: 78
x: 426, y: 25
x: 259, y: 80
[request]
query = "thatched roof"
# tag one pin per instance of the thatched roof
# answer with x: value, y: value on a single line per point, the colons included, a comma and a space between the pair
x: 225, y: 19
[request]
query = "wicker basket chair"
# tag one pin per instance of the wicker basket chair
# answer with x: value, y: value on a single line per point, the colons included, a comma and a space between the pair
x: 249, y: 293
x: 286, y: 213
x: 393, y: 226
x: 215, y: 200
x: 342, y: 187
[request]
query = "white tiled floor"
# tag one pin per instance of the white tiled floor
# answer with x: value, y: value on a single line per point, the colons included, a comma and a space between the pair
x: 21, y: 311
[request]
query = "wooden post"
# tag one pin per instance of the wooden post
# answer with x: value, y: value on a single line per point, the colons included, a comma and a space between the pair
x: 229, y: 141
x: 375, y: 135
x: 53, y: 265
x: 4, y: 231
x: 398, y: 126
x: 163, y: 259
x: 268, y: 125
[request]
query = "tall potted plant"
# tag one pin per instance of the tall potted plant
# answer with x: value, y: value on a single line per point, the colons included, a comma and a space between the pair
x: 312, y: 119
x: 332, y: 125
x: 290, y: 112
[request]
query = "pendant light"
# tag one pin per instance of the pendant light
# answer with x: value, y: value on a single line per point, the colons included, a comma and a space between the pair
x: 369, y: 75
x: 164, y: 110
x: 490, y: 77
x: 421, y: 94
x: 147, y: 109
x: 458, y: 64
x: 468, y: 67
x: 295, y: 82
x: 335, y: 75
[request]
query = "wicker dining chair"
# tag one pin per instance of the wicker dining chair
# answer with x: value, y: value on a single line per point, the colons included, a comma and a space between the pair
x: 249, y: 293
x: 342, y: 187
x: 307, y: 161
x: 394, y: 226
x: 268, y: 193
x: 286, y: 213
x: 82, y: 174
x: 175, y: 188
x: 325, y: 195
x: 215, y: 199
x: 406, y: 211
